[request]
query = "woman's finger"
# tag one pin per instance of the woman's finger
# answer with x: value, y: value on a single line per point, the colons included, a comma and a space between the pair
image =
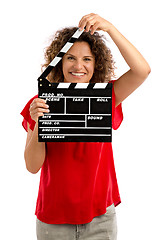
x: 38, y: 100
x: 38, y: 103
x: 88, y: 26
x: 38, y: 110
x: 94, y: 27
x: 36, y: 116
x: 82, y: 19
x: 85, y: 19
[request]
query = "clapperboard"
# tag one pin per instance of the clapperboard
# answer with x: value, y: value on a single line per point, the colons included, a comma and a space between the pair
x: 79, y: 112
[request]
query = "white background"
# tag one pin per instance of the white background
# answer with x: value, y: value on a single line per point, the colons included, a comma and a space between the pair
x: 25, y: 29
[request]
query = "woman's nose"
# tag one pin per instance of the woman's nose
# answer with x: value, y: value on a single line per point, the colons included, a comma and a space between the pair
x: 78, y: 65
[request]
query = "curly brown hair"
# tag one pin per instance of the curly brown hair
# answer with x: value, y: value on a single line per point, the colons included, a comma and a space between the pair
x: 104, y: 63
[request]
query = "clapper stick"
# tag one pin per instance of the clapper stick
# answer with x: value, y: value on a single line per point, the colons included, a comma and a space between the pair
x: 62, y: 52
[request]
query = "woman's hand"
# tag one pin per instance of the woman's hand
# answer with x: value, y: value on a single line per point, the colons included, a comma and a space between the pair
x: 37, y: 108
x: 93, y: 22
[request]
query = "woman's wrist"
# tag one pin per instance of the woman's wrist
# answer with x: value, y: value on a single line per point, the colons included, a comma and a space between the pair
x: 109, y: 27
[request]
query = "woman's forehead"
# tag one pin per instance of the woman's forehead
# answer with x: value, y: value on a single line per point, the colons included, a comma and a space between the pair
x: 80, y: 48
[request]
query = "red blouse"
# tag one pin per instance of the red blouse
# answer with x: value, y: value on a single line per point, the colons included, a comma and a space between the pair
x: 78, y: 180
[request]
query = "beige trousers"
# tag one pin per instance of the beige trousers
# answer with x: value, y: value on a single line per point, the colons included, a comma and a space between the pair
x: 103, y: 227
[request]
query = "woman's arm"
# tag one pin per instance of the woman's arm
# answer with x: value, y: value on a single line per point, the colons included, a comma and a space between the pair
x: 139, y: 68
x: 34, y: 153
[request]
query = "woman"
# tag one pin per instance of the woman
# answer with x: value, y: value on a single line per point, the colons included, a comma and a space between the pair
x: 78, y: 189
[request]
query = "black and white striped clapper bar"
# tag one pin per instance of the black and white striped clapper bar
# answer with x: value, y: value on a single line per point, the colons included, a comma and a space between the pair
x: 79, y: 112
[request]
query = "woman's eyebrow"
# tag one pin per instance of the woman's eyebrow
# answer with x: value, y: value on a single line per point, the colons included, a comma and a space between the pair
x: 89, y: 56
x: 75, y: 56
x: 70, y: 54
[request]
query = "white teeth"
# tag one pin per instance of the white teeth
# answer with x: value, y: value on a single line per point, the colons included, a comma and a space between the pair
x: 78, y: 74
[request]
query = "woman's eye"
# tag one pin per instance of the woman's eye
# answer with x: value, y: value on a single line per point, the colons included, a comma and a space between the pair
x: 87, y: 59
x: 70, y: 58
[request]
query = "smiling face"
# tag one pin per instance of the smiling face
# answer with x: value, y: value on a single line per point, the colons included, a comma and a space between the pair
x: 78, y: 63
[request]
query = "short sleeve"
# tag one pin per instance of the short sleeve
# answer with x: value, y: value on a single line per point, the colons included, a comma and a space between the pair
x: 117, y: 114
x: 26, y: 116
